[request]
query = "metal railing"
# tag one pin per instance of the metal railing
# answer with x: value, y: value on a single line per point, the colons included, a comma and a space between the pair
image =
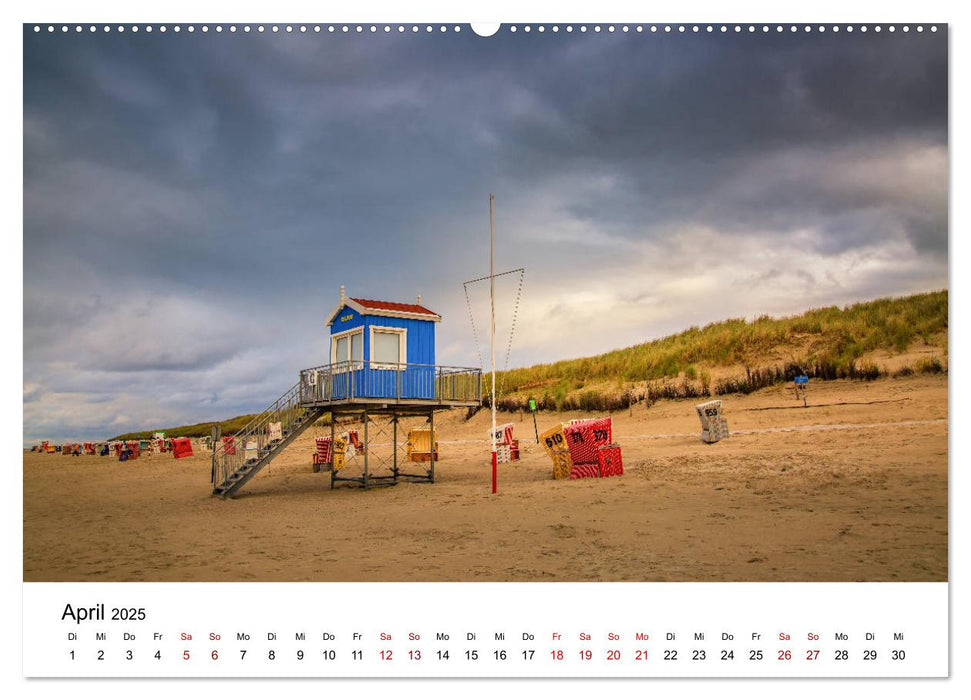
x: 228, y: 459
x: 395, y: 381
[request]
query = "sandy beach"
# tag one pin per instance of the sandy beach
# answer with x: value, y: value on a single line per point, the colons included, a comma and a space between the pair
x: 853, y: 488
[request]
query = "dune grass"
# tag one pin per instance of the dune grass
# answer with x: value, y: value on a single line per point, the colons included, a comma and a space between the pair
x: 826, y: 343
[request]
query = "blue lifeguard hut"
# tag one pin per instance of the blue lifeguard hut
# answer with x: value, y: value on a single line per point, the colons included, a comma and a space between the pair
x: 381, y: 364
x: 382, y: 349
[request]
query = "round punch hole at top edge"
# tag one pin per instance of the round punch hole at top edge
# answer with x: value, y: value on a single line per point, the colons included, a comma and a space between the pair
x: 485, y: 29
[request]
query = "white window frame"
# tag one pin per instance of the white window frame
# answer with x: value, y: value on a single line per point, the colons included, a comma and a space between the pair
x: 402, y: 346
x: 345, y: 363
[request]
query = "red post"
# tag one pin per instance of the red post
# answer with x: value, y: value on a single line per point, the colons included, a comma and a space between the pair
x: 494, y: 464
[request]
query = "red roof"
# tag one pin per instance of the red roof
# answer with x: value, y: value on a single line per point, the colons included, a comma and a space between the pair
x: 393, y: 306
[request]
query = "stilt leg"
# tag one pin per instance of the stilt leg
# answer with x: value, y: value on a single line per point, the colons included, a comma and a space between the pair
x: 431, y: 447
x: 367, y: 448
x: 333, y: 423
x: 394, y: 442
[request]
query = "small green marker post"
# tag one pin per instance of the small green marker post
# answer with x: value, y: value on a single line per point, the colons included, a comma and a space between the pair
x: 532, y: 408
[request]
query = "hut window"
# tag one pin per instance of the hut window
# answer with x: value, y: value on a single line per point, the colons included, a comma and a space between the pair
x: 341, y: 351
x: 348, y: 347
x: 388, y: 347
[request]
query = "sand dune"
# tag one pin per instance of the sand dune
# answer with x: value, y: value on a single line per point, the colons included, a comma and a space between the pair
x: 853, y: 488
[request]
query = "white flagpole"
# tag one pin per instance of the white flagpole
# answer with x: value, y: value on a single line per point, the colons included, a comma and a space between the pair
x: 492, y: 340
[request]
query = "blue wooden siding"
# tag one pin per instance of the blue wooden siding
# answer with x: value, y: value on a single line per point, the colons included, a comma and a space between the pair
x: 421, y: 337
x: 415, y: 381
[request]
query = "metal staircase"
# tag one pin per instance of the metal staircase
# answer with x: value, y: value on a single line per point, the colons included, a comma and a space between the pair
x: 233, y: 465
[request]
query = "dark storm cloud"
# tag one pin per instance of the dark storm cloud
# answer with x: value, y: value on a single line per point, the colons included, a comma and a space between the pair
x: 192, y: 202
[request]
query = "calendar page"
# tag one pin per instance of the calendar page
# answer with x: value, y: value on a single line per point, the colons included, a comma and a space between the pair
x: 613, y: 350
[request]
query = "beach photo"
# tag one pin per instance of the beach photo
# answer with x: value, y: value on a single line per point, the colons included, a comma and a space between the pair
x: 568, y: 303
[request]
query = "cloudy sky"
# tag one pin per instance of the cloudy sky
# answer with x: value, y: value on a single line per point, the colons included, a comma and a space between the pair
x: 192, y: 203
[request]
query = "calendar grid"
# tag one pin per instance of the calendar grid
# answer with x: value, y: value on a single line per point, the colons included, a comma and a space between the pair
x: 535, y: 630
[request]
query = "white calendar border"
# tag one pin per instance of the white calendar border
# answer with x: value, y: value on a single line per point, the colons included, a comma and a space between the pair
x: 605, y: 10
